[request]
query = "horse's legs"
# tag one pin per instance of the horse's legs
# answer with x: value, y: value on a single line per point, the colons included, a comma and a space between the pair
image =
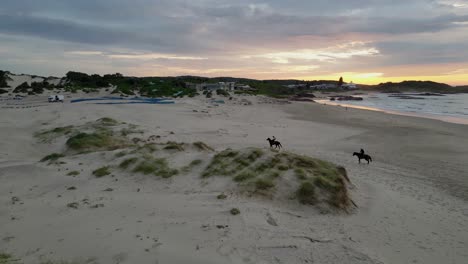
x: 359, y: 160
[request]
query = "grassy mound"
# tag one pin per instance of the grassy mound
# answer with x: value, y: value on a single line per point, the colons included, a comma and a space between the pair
x: 155, y: 166
x: 316, y: 181
x: 99, y: 140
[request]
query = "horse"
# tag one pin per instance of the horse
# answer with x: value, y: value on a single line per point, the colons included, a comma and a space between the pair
x: 274, y: 142
x: 362, y: 156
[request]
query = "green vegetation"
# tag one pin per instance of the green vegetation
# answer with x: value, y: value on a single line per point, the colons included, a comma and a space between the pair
x: 306, y: 193
x: 234, y: 211
x: 101, y: 172
x: 416, y: 86
x: 49, y: 135
x: 155, y: 166
x: 52, y: 157
x: 192, y: 164
x: 222, y: 92
x: 100, y: 140
x: 6, y: 258
x: 107, y: 121
x: 202, y: 146
x: 120, y: 154
x: 126, y: 163
x: 171, y: 145
x: 73, y: 173
x: 221, y: 196
x: 257, y: 170
x: 264, y: 184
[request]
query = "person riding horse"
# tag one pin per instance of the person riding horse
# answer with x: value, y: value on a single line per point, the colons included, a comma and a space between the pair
x: 362, y: 155
x: 274, y: 142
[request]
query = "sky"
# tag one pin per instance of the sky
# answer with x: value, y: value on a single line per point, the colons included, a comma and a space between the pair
x: 364, y: 41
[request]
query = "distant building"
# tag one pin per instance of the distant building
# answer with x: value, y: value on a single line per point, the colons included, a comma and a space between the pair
x: 324, y: 86
x: 349, y: 86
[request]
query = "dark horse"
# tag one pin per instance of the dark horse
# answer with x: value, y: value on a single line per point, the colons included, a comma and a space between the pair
x: 362, y: 156
x: 275, y: 143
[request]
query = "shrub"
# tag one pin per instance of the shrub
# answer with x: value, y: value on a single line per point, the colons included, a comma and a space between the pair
x: 101, y: 172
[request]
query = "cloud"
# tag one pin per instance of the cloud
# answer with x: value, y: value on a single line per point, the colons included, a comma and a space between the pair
x: 265, y: 38
x: 339, y: 52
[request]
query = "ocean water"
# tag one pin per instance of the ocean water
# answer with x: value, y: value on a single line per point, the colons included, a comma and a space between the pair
x: 450, y: 108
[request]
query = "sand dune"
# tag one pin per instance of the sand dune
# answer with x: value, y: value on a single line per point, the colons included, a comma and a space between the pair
x: 411, y: 199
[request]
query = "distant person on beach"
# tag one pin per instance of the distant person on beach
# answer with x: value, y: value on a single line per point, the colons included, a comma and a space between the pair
x: 362, y: 152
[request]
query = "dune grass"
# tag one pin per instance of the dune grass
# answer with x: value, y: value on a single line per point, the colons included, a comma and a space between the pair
x: 73, y: 173
x: 192, y: 164
x: 126, y: 163
x: 155, y: 166
x: 264, y: 184
x: 234, y: 211
x: 201, y: 146
x: 171, y: 145
x: 52, y: 157
x: 253, y: 167
x: 99, y: 140
x: 106, y: 121
x: 306, y: 193
x: 221, y: 196
x: 120, y: 154
x: 6, y: 258
x: 48, y: 135
x: 101, y: 172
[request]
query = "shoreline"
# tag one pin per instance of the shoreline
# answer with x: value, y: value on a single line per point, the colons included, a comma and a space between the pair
x: 444, y: 118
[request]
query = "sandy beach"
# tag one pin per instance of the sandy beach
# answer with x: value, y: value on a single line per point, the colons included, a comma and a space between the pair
x: 412, y: 199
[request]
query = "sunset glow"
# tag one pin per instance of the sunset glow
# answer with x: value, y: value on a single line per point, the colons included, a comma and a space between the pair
x: 366, y: 42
